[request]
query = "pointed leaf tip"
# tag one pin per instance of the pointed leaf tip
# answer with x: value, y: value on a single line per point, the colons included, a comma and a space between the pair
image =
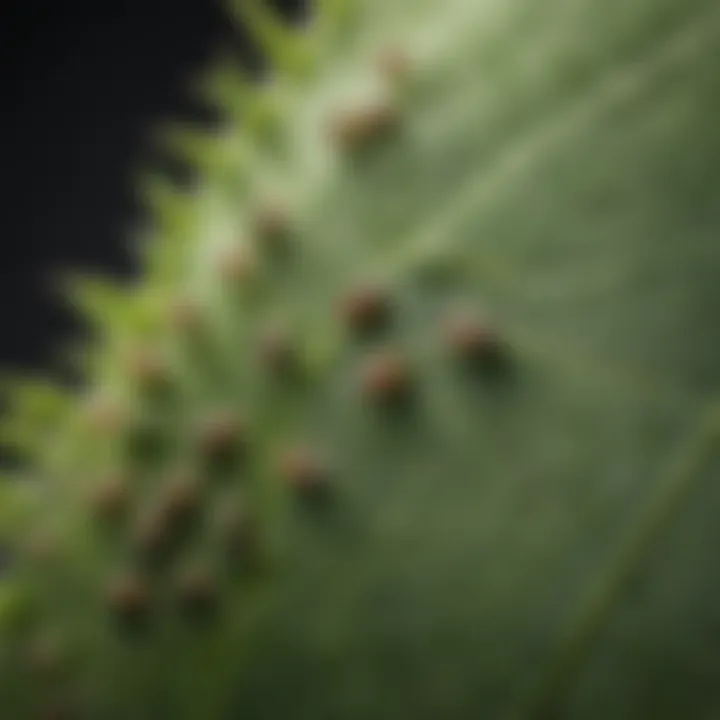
x: 288, y: 50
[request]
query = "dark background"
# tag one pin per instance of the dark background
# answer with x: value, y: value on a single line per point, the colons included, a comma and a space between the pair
x: 82, y: 88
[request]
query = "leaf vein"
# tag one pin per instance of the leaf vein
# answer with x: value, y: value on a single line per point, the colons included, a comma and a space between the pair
x: 602, y: 598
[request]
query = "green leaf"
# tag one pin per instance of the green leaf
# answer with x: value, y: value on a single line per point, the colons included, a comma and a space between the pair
x: 513, y: 520
x: 289, y: 52
x: 544, y: 549
x: 33, y: 408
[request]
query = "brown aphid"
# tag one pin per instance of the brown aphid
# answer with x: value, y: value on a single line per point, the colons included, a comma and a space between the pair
x: 238, y: 533
x: 110, y: 501
x: 180, y: 500
x: 366, y: 308
x: 152, y: 534
x: 197, y: 591
x: 386, y: 377
x: 473, y: 341
x: 236, y: 528
x: 278, y: 353
x: 147, y: 368
x: 272, y: 225
x: 222, y: 436
x: 304, y: 470
x: 129, y: 599
x: 356, y: 129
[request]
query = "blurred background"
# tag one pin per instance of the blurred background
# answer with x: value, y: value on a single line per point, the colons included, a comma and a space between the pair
x: 83, y: 85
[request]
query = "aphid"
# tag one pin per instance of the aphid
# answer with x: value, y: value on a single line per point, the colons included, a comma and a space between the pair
x: 110, y: 500
x: 180, y: 499
x: 366, y: 308
x: 147, y: 368
x: 386, y: 377
x: 356, y: 129
x: 278, y: 353
x: 152, y: 534
x: 222, y: 436
x: 129, y: 600
x: 304, y: 470
x: 197, y: 591
x: 237, y: 532
x: 473, y: 341
x: 272, y: 224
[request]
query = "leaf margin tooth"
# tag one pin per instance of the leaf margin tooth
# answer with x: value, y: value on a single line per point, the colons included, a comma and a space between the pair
x: 290, y: 52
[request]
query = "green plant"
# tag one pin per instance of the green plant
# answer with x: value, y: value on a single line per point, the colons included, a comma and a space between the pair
x: 414, y: 412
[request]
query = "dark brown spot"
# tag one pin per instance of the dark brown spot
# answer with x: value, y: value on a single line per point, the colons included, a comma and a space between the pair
x: 152, y: 535
x: 237, y: 532
x: 181, y: 498
x: 278, y: 353
x: 110, y: 501
x: 355, y: 130
x: 129, y: 600
x: 160, y: 527
x: 147, y: 368
x: 473, y: 341
x: 272, y: 225
x: 197, y: 591
x: 386, y: 377
x: 304, y: 470
x: 366, y: 309
x: 222, y: 437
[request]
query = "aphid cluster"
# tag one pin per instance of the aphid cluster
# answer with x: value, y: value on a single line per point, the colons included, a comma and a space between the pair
x: 162, y: 517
